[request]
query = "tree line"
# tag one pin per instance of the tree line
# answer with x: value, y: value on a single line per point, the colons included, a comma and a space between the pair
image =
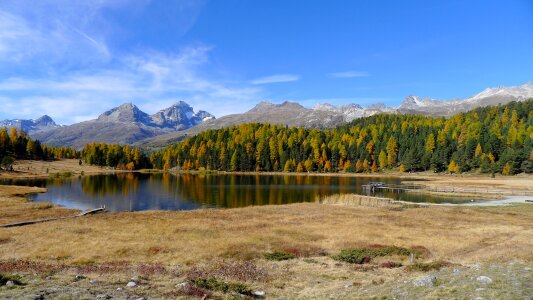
x: 117, y: 156
x: 17, y: 145
x: 490, y: 139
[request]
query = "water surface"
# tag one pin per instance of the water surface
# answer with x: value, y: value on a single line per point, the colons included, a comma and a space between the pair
x: 164, y: 191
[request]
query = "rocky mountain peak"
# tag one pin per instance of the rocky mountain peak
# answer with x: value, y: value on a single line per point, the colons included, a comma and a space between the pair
x: 179, y: 116
x: 45, y: 120
x: 127, y: 112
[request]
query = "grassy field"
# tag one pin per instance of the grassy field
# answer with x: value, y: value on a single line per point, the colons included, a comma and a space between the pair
x: 290, y: 251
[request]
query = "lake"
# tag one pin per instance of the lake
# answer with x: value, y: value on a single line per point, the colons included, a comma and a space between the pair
x: 164, y: 191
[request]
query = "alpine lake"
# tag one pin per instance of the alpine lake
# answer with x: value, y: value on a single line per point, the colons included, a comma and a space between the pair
x: 166, y: 191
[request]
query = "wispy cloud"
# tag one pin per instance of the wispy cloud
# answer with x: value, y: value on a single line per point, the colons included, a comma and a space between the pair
x: 152, y: 81
x: 56, y: 58
x: 349, y: 74
x: 275, y: 79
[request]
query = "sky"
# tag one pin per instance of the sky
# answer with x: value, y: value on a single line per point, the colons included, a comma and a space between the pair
x: 74, y: 60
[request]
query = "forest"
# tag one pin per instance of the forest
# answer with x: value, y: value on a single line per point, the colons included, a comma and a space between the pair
x: 495, y: 139
x: 122, y: 157
x: 17, y: 145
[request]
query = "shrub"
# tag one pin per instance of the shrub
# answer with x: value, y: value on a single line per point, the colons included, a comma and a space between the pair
x: 279, y: 256
x: 354, y: 256
x: 390, y: 264
x: 214, y: 284
x: 366, y: 254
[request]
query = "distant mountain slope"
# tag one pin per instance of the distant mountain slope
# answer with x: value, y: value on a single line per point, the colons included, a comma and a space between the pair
x: 329, y: 116
x: 125, y: 124
x: 490, y: 96
x: 286, y: 113
x: 44, y: 123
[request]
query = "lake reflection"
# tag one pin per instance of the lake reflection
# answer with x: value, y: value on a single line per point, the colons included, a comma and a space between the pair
x: 164, y: 191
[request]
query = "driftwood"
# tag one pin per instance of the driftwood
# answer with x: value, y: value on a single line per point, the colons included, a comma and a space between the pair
x: 23, y: 223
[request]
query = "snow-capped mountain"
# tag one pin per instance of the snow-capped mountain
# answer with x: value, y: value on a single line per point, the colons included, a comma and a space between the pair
x: 125, y: 124
x: 43, y: 123
x: 180, y: 116
x: 490, y: 96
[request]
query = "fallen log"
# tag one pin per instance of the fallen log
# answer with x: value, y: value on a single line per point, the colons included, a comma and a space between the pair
x: 23, y: 223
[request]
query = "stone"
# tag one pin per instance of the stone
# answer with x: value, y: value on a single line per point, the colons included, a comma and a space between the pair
x: 260, y: 294
x: 427, y: 281
x: 182, y: 285
x: 480, y: 289
x: 238, y: 295
x: 476, y: 266
x: 103, y: 296
x: 135, y: 278
x: 456, y: 271
x: 10, y: 283
x: 349, y: 285
x: 131, y: 284
x: 119, y: 289
x: 79, y: 277
x: 484, y: 279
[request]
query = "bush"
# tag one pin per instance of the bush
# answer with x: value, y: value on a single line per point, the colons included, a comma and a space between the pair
x: 366, y: 254
x: 354, y: 256
x: 390, y: 264
x: 214, y: 284
x: 279, y: 255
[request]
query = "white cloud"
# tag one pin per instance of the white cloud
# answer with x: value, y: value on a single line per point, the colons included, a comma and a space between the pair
x: 275, y: 79
x: 349, y: 74
x: 63, y: 32
x: 56, y: 59
x: 152, y: 81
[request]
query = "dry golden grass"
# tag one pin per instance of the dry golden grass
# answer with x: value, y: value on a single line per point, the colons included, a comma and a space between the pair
x: 14, y: 206
x: 456, y: 234
x: 184, y: 240
x: 38, y: 168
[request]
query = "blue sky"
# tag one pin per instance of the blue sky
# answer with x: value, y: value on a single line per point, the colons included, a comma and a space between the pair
x: 73, y: 60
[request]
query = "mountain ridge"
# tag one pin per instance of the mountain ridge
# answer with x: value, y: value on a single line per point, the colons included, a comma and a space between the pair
x: 325, y: 115
x: 127, y: 124
x: 31, y: 126
x: 124, y: 124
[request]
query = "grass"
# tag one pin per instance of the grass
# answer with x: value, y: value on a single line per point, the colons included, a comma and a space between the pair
x: 429, y: 266
x: 230, y: 245
x: 459, y: 234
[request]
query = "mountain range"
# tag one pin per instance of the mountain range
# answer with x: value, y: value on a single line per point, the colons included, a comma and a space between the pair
x: 43, y: 123
x: 126, y: 124
x: 329, y: 116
